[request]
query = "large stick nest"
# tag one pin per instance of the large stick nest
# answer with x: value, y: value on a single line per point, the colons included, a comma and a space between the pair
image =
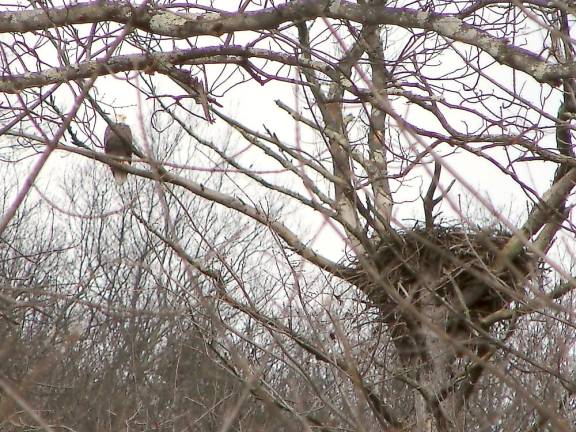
x: 455, y: 265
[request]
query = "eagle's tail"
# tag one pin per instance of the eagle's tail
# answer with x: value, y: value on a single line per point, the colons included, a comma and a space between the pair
x: 119, y: 174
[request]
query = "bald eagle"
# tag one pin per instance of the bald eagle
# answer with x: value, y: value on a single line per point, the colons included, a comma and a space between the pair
x: 117, y: 143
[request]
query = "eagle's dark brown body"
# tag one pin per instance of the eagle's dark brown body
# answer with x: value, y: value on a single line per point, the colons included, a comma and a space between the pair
x: 117, y: 142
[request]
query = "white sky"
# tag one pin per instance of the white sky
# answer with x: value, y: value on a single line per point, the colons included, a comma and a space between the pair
x: 254, y: 106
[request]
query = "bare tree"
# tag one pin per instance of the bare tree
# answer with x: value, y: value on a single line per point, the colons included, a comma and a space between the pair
x: 396, y: 109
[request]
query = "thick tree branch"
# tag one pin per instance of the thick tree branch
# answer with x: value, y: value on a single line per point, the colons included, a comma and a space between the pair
x: 162, y: 22
x: 228, y: 201
x: 150, y: 62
